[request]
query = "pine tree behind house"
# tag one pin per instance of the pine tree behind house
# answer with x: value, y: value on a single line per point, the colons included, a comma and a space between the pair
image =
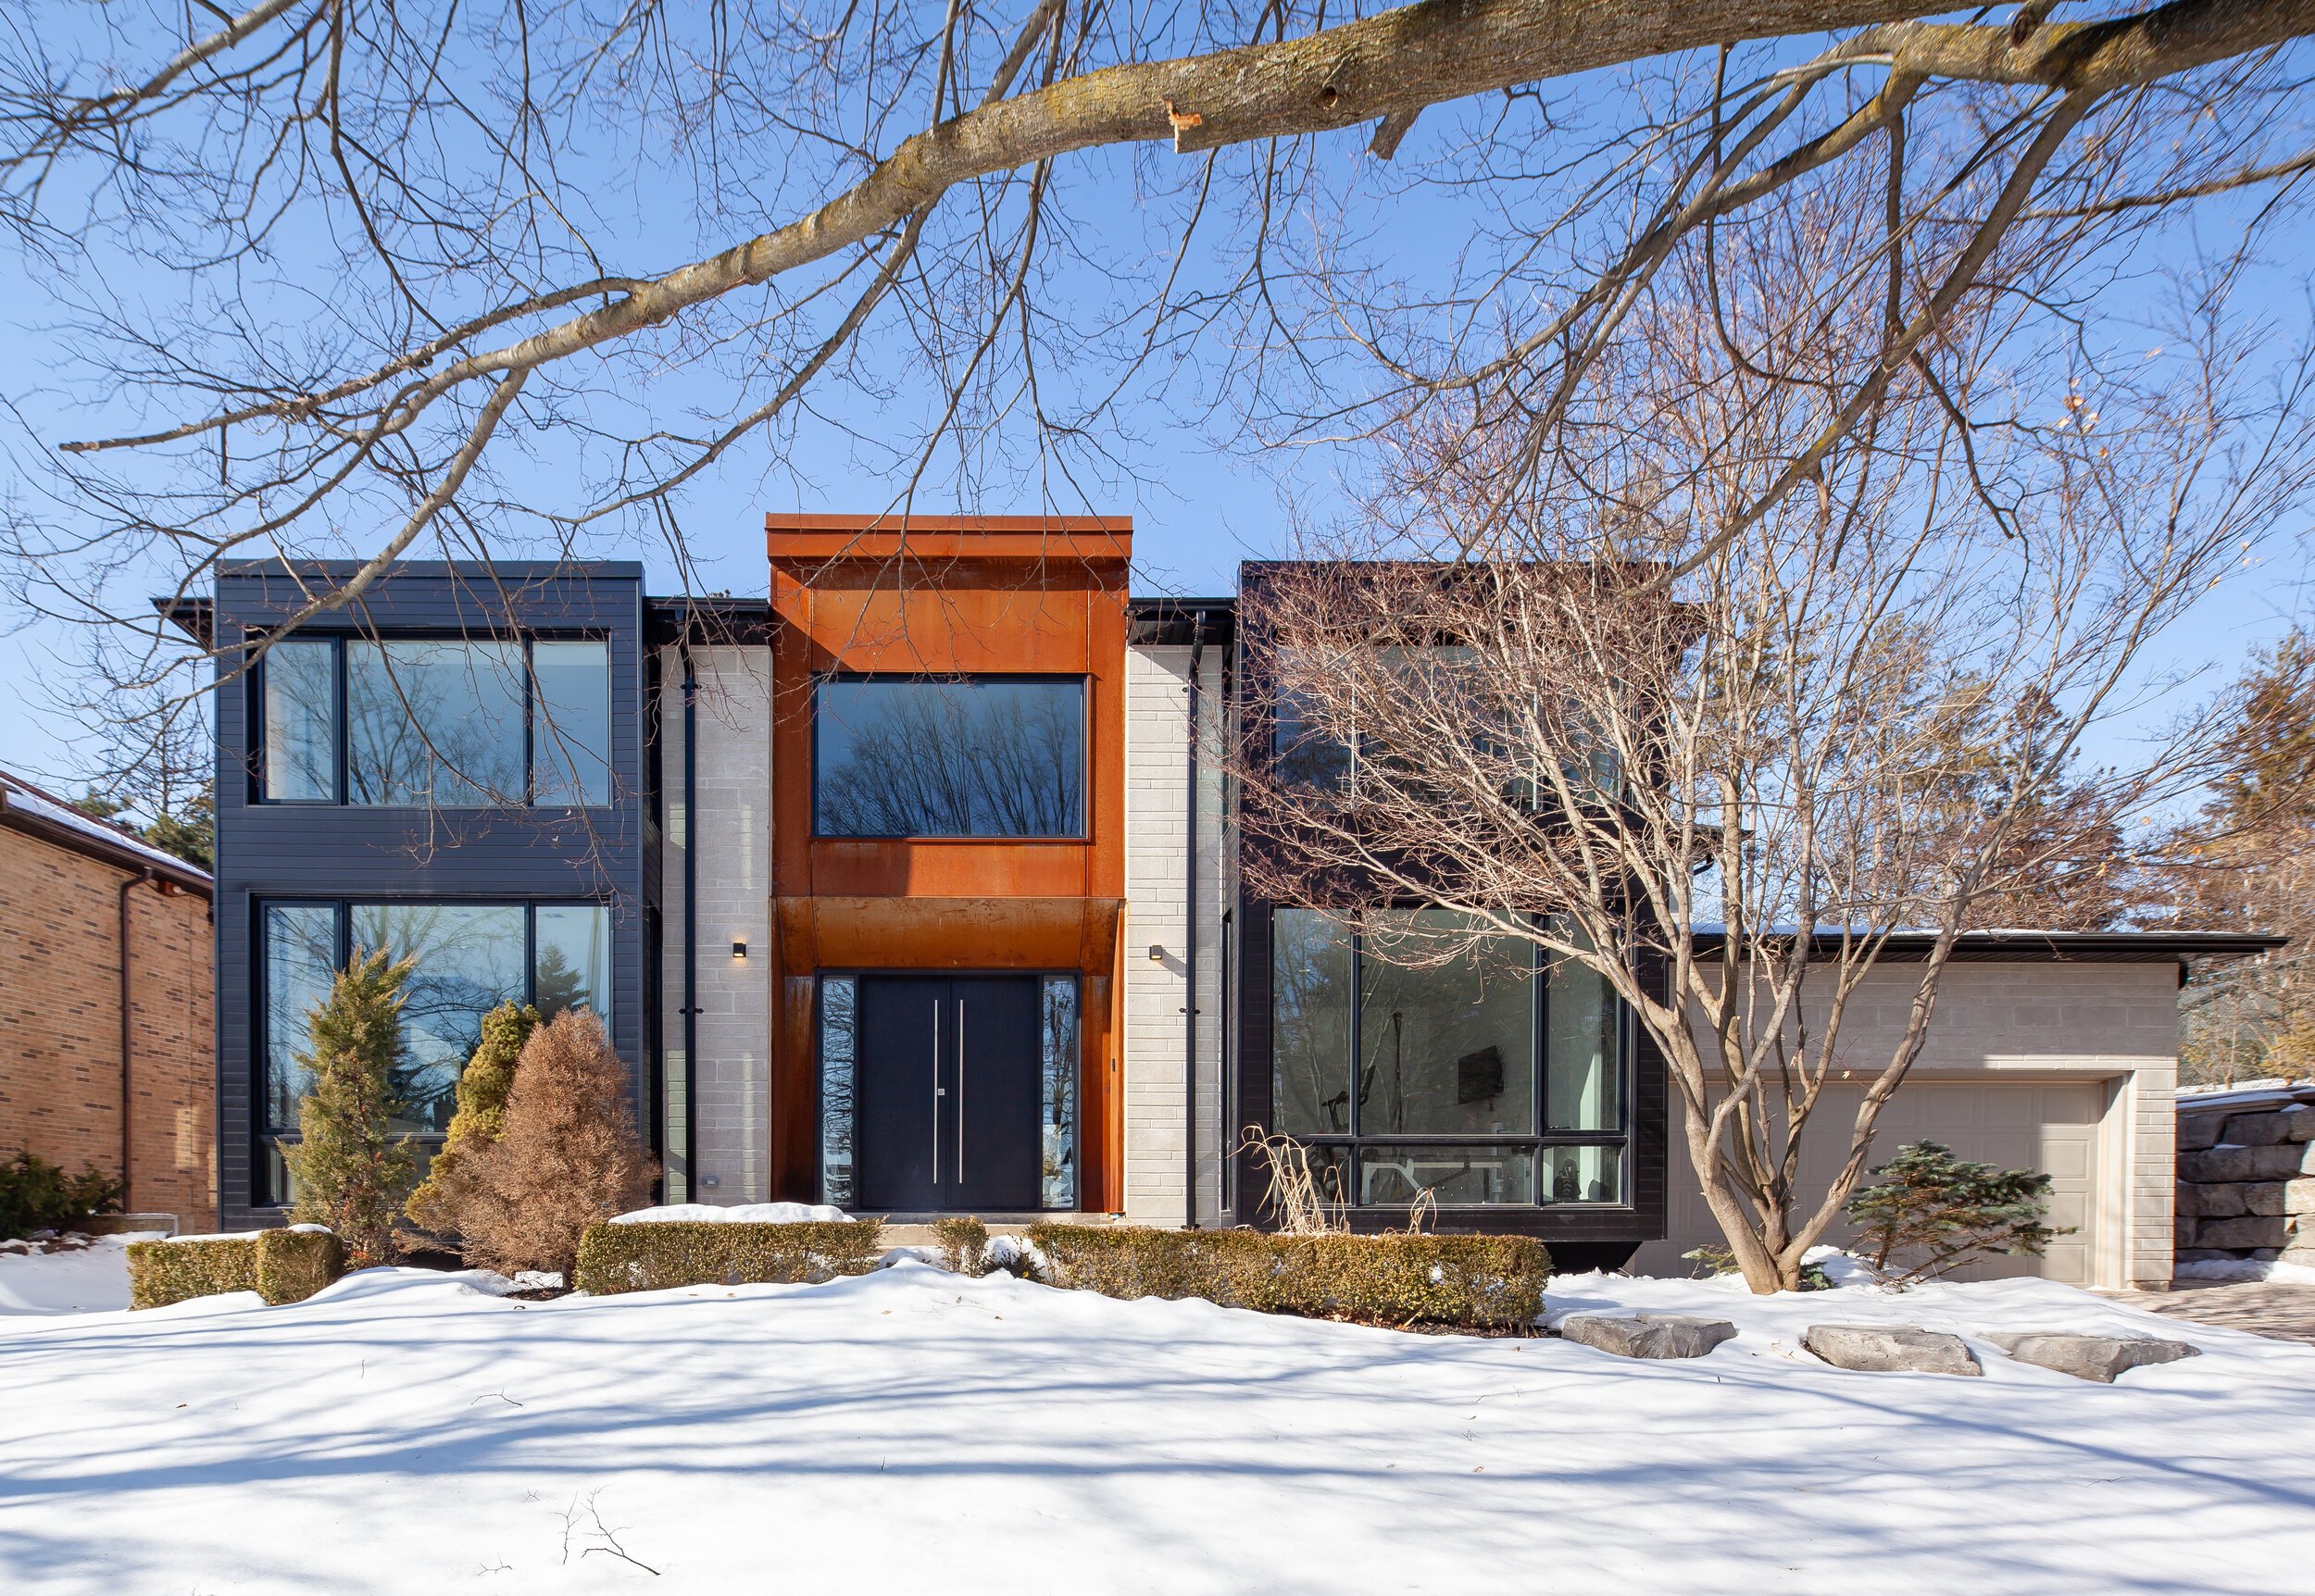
x: 351, y: 1173
x: 440, y: 1203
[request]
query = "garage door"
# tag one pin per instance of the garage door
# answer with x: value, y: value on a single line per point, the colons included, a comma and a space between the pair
x: 2050, y: 1126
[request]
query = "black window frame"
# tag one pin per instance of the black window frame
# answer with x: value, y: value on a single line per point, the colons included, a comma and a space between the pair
x: 266, y: 1137
x: 260, y: 791
x: 1533, y: 1142
x: 1083, y: 682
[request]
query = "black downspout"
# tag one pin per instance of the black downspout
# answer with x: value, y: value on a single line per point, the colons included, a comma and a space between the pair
x: 1189, y: 956
x: 690, y: 922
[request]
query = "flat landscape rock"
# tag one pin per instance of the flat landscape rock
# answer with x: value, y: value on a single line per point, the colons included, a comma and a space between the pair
x: 1647, y: 1335
x: 1891, y: 1349
x: 2097, y: 1358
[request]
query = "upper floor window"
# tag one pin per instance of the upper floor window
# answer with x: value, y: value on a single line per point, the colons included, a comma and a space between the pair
x: 439, y: 722
x: 1436, y: 717
x: 972, y: 756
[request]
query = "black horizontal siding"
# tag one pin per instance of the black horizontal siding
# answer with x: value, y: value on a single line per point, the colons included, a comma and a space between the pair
x: 281, y: 851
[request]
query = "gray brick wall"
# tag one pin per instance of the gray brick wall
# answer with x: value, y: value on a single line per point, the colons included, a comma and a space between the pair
x: 1157, y: 841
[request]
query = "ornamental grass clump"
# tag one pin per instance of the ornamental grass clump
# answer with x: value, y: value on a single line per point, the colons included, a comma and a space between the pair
x: 567, y: 1155
x: 1927, y: 1213
x: 452, y: 1182
x: 351, y: 1173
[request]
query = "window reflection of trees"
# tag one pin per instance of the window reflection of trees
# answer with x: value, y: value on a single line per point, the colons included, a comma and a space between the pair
x: 950, y: 759
x: 839, y: 1009
x: 1311, y: 1045
x: 434, y: 723
x: 1058, y: 1028
x: 468, y: 959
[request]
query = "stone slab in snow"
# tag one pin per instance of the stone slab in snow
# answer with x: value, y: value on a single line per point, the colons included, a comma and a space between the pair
x: 1891, y: 1349
x: 2097, y: 1358
x: 1647, y: 1335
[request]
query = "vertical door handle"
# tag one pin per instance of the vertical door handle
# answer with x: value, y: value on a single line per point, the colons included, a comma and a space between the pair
x: 936, y: 1091
x: 961, y: 1089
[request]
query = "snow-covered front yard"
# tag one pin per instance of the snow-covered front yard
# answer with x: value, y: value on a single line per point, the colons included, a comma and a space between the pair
x: 916, y: 1431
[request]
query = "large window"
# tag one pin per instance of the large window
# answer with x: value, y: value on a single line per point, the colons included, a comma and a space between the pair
x: 975, y: 756
x: 468, y: 958
x: 447, y: 723
x: 1416, y: 1058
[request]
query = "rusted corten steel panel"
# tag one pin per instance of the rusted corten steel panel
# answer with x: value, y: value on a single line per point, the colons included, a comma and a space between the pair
x: 1006, y: 594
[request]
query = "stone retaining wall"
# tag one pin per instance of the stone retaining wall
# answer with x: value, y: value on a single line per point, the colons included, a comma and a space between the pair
x: 2246, y: 1176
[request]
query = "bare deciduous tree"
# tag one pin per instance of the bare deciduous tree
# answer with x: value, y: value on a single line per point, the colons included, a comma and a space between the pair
x: 399, y: 248
x: 1725, y: 773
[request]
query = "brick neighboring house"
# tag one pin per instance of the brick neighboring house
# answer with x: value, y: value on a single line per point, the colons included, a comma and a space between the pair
x: 101, y: 1064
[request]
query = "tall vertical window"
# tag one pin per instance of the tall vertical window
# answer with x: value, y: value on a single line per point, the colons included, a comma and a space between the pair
x: 1423, y: 1057
x: 466, y: 959
x: 447, y: 723
x: 571, y: 723
x: 977, y: 756
x: 1057, y: 1030
x: 300, y: 702
x: 839, y: 1038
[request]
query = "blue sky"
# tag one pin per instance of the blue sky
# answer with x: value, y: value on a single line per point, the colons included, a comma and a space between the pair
x: 1199, y: 506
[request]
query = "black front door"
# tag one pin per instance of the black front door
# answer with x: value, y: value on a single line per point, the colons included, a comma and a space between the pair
x: 948, y: 1089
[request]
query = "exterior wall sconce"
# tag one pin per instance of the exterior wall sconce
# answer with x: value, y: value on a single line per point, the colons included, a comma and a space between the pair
x: 739, y: 950
x: 1156, y: 954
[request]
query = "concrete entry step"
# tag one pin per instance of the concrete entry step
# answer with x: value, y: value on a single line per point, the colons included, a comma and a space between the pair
x: 916, y: 1229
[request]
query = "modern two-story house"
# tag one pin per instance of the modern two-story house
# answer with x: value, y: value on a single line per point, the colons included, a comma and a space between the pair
x: 911, y: 887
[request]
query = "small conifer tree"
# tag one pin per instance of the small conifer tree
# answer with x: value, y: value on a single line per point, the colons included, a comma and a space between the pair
x: 441, y: 1200
x: 567, y: 1154
x: 351, y: 1173
x: 1927, y: 1213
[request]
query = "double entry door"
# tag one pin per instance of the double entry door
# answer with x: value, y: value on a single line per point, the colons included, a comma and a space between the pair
x: 949, y: 1087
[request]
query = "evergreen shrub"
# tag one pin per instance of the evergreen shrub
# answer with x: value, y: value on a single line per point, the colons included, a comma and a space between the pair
x: 1468, y: 1282
x: 567, y: 1156
x: 452, y: 1181
x: 1927, y: 1213
x: 279, y: 1265
x: 352, y: 1173
x: 37, y: 1195
x: 654, y: 1256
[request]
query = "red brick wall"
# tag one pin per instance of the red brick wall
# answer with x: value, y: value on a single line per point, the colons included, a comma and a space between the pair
x: 60, y: 1027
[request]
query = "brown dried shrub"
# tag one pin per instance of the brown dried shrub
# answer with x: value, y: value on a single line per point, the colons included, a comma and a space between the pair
x: 567, y: 1155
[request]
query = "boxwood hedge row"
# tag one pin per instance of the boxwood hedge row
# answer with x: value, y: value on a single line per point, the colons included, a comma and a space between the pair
x: 279, y: 1265
x: 654, y: 1256
x: 1469, y: 1282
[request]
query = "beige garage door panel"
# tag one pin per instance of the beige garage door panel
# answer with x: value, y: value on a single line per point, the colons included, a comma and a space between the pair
x: 2050, y: 1126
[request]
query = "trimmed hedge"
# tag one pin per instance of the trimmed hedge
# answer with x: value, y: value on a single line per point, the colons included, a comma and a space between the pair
x: 279, y: 1265
x: 1471, y: 1282
x: 654, y: 1256
x: 964, y: 1244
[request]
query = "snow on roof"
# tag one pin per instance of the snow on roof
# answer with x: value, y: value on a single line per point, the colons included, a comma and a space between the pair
x: 18, y: 795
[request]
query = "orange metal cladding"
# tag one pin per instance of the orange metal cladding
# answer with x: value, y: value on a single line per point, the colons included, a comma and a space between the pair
x: 936, y: 596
